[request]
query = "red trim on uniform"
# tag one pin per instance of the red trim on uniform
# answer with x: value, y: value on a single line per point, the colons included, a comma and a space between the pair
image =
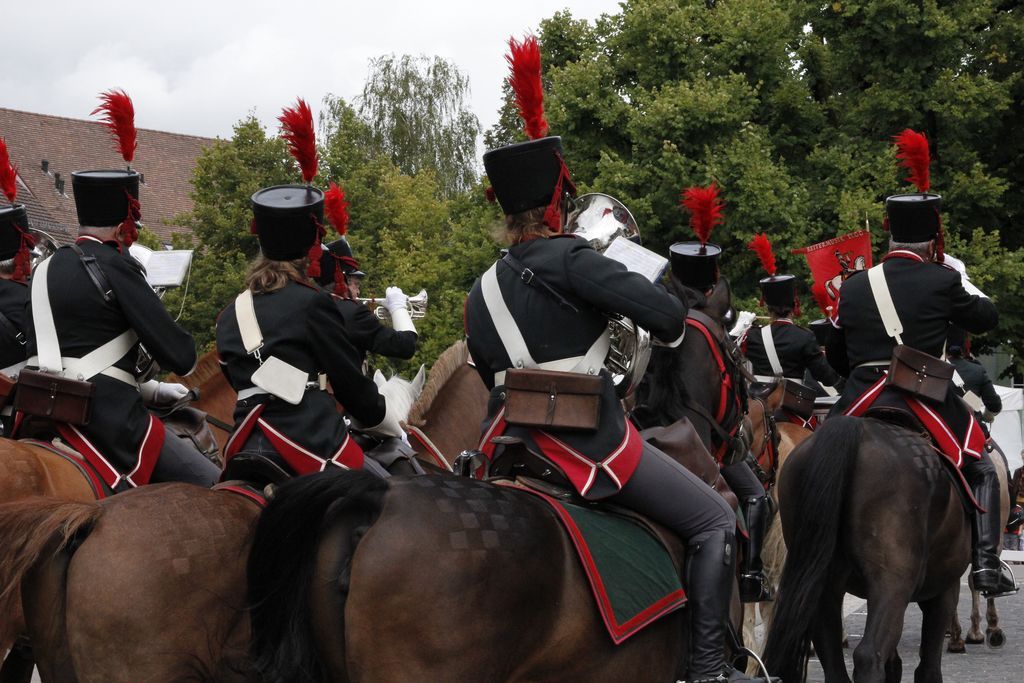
x: 619, y: 465
x: 80, y: 442
x: 302, y: 461
x: 618, y: 632
x: 903, y: 253
x: 349, y: 455
x: 149, y: 453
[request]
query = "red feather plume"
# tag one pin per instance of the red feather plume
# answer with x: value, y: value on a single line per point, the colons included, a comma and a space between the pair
x: 912, y: 151
x: 524, y: 61
x: 763, y: 248
x: 119, y: 116
x: 336, y: 208
x: 705, y: 209
x: 297, y: 125
x: 8, y: 174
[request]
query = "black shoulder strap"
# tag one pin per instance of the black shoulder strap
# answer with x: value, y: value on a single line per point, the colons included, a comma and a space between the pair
x: 96, y: 274
x: 531, y: 278
x: 9, y: 327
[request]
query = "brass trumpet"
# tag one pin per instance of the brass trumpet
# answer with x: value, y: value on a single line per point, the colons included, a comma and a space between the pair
x: 417, y: 305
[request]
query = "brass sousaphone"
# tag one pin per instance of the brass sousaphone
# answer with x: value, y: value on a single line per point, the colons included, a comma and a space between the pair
x: 600, y: 219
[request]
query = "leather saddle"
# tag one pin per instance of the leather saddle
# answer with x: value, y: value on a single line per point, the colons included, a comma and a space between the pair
x: 255, y: 469
x: 898, y: 417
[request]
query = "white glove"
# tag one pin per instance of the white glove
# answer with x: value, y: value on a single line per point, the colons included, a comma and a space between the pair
x: 743, y: 322
x: 396, y: 301
x: 389, y: 426
x: 162, y: 393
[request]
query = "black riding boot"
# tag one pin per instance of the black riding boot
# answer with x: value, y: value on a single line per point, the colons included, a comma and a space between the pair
x: 754, y: 585
x: 991, y: 576
x: 710, y: 568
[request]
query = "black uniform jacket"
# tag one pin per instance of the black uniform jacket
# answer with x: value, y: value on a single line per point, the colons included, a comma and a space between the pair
x: 976, y: 379
x: 13, y: 297
x: 302, y: 326
x: 368, y: 335
x: 119, y: 422
x: 797, y: 349
x: 928, y: 298
x: 595, y: 285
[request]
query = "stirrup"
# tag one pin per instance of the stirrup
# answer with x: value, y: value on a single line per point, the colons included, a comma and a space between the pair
x: 1003, y: 567
x: 754, y: 587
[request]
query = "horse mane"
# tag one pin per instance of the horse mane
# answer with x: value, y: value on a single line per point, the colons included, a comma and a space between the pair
x: 208, y: 366
x: 446, y: 365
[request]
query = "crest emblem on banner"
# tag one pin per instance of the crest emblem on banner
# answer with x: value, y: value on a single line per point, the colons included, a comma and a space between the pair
x: 834, y: 260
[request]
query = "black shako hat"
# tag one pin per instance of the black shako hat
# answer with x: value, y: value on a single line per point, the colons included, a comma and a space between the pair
x: 525, y: 175
x: 914, y: 217
x: 822, y: 329
x: 778, y: 290
x: 337, y: 254
x: 13, y: 220
x: 287, y: 219
x: 102, y: 197
x: 694, y: 264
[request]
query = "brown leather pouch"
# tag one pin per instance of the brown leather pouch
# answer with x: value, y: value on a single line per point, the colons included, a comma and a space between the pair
x: 552, y: 400
x: 918, y: 373
x: 798, y: 399
x: 52, y: 396
x: 6, y: 389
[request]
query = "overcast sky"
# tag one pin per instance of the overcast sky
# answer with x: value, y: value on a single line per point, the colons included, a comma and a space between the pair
x: 199, y: 66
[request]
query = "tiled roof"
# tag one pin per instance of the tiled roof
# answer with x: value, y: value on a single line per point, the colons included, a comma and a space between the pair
x: 166, y: 160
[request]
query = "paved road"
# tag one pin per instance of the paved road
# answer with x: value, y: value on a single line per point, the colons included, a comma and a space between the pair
x: 978, y: 665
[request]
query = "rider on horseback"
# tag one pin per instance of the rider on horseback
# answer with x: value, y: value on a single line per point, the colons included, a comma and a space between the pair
x: 782, y: 348
x: 283, y: 338
x: 542, y: 303
x: 926, y: 298
x: 695, y: 265
x: 14, y: 272
x: 341, y: 276
x: 91, y: 307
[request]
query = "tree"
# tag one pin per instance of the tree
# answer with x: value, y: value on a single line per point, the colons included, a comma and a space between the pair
x: 416, y: 113
x: 226, y: 176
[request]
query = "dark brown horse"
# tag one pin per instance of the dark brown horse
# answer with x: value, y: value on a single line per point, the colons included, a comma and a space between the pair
x: 866, y: 509
x: 484, y: 576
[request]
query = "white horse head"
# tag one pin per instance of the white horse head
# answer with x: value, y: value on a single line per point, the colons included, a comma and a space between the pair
x: 400, y: 393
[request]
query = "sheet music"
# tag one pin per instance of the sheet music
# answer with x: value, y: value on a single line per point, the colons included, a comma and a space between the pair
x: 637, y: 259
x: 163, y: 268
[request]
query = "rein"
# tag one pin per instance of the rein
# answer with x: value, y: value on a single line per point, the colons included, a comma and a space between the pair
x: 730, y: 403
x: 770, y: 444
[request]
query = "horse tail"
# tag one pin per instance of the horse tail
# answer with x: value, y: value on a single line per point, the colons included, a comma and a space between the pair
x: 815, y: 491
x: 32, y: 530
x: 305, y: 513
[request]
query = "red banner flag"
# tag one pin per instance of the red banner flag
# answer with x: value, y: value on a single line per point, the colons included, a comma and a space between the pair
x: 834, y: 260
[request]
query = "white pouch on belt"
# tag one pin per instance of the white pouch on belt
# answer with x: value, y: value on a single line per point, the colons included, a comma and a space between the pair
x: 281, y: 379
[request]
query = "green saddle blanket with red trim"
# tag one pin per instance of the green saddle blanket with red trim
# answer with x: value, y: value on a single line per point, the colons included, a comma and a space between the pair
x: 631, y: 573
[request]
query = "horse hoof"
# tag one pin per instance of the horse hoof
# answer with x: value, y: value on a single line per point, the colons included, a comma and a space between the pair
x: 995, y: 639
x: 956, y: 647
x: 974, y: 640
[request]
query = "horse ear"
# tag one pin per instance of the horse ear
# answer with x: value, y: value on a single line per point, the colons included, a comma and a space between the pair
x: 419, y: 380
x: 378, y: 378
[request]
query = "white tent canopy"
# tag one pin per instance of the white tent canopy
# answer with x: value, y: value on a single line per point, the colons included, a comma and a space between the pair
x: 1009, y: 425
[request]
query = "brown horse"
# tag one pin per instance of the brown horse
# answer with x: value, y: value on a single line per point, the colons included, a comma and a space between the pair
x: 340, y: 563
x: 447, y: 416
x: 145, y: 585
x: 866, y: 509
